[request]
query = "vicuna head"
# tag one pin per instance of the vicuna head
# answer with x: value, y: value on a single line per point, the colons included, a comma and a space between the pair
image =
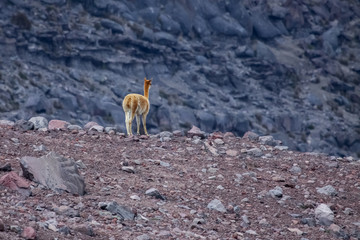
x: 137, y: 105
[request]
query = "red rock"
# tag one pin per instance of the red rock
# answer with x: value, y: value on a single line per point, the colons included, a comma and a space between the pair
x: 216, y: 135
x: 29, y: 233
x: 251, y: 136
x: 14, y: 181
x: 195, y: 131
x: 90, y: 125
x: 57, y: 124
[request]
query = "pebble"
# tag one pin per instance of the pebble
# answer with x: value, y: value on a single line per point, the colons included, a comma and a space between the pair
x: 324, y: 215
x: 295, y: 170
x: 219, y: 141
x: 29, y: 233
x: 256, y: 152
x: 296, y: 230
x: 327, y: 190
x: 128, y: 169
x: 231, y: 153
x: 277, y: 192
x: 154, y: 193
x: 216, y: 205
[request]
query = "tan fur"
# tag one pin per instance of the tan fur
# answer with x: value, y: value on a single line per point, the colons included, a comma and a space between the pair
x: 137, y: 105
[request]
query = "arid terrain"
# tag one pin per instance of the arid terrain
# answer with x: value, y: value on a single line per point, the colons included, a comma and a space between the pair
x: 215, y: 186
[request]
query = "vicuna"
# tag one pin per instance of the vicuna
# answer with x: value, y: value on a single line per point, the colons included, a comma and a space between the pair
x: 137, y: 105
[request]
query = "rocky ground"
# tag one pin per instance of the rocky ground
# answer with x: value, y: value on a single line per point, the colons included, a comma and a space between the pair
x: 289, y: 69
x: 176, y: 186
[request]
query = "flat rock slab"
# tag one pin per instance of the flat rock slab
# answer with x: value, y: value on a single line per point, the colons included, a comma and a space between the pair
x: 55, y: 172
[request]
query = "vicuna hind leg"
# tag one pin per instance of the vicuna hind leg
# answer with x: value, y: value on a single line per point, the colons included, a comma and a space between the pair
x: 138, y: 124
x: 144, y: 123
x: 131, y: 119
x: 127, y: 118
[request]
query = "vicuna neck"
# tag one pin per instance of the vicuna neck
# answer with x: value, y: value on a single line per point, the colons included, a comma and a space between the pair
x: 146, y: 91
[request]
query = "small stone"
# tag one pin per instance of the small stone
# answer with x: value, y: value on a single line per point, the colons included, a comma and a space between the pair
x: 29, y: 233
x: 90, y: 125
x: 334, y: 228
x: 143, y: 237
x: 267, y: 140
x: 24, y: 125
x: 327, y: 190
x: 135, y: 197
x: 251, y: 136
x: 220, y: 187
x: 263, y: 222
x: 15, y: 228
x: 74, y: 127
x: 295, y: 170
x: 231, y: 153
x: 15, y: 140
x: 296, y: 230
x: 277, y: 192
x: 57, y: 125
x: 218, y: 141
x: 97, y: 128
x: 324, y: 215
x: 281, y: 148
x: 308, y: 221
x: 128, y: 169
x: 164, y: 164
x: 154, y: 193
x: 216, y: 205
x: 39, y: 122
x: 40, y: 148
x: 251, y: 232
x: 177, y: 133
x: 165, y: 134
x: 256, y: 152
x: 349, y: 211
x: 80, y: 164
x: 84, y: 229
x: 195, y: 131
x: 110, y: 130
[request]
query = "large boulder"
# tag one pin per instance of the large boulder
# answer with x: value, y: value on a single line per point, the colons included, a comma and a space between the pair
x: 55, y: 172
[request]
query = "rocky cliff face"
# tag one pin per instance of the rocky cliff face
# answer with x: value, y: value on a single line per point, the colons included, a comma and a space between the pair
x: 286, y: 68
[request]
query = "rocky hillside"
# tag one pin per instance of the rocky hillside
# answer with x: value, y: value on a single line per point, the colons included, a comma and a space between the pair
x: 286, y: 68
x: 85, y: 184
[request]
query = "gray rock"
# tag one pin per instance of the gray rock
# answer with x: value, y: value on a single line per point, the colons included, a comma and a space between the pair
x: 165, y: 134
x: 277, y: 192
x: 195, y: 131
x: 295, y: 170
x: 216, y: 205
x: 6, y: 123
x: 24, y: 125
x: 74, y: 127
x: 123, y: 212
x: 256, y: 152
x: 327, y: 190
x: 308, y: 221
x: 155, y: 193
x: 228, y: 26
x: 55, y: 172
x: 39, y: 122
x: 263, y: 27
x: 97, y: 128
x: 113, y: 26
x: 268, y: 140
x: 324, y: 215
